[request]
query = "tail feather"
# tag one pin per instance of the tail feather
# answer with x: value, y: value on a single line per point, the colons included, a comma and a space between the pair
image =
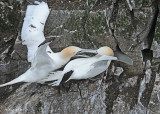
x: 17, y: 80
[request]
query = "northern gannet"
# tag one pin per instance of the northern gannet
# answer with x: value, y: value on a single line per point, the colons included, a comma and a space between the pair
x: 84, y: 68
x: 43, y: 64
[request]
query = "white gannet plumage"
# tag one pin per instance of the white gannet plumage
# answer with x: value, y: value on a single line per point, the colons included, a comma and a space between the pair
x: 40, y: 68
x: 43, y: 64
x: 42, y: 59
x: 33, y: 27
x: 84, y: 68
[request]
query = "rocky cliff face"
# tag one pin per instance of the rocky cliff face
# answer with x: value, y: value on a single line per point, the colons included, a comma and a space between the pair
x: 132, y: 25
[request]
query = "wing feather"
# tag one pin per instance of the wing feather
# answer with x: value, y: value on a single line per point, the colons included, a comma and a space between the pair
x: 66, y: 76
x: 33, y: 26
x: 41, y: 57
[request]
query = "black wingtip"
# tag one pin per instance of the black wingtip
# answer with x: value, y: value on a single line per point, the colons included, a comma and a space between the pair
x: 66, y: 76
x: 123, y: 57
x: 47, y: 40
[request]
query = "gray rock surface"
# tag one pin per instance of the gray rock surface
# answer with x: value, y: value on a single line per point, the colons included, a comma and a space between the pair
x: 132, y: 25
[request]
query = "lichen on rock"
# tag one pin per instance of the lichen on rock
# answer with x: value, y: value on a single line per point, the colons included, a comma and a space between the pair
x: 122, y: 89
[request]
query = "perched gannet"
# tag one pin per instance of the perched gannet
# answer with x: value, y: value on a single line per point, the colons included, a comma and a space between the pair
x: 43, y: 64
x: 84, y: 68
x: 33, y: 27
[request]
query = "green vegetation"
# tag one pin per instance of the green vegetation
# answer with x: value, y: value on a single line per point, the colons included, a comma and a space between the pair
x: 85, y: 25
x: 123, y: 25
x: 157, y: 32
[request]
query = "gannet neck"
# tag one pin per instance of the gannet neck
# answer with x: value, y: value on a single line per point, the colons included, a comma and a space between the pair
x: 97, y: 56
x: 69, y: 52
x: 105, y: 51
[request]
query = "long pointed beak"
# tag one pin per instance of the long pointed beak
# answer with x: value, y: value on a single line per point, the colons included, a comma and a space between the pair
x: 80, y: 53
x: 88, y: 51
x: 81, y: 56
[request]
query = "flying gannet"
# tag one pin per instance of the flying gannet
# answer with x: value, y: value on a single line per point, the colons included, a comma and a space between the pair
x: 43, y: 64
x: 84, y: 68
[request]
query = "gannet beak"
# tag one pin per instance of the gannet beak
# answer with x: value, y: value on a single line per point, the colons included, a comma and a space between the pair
x: 48, y: 40
x: 80, y: 53
x: 87, y: 51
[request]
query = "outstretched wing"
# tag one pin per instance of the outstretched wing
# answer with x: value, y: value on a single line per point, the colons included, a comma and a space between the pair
x: 41, y: 57
x: 33, y: 26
